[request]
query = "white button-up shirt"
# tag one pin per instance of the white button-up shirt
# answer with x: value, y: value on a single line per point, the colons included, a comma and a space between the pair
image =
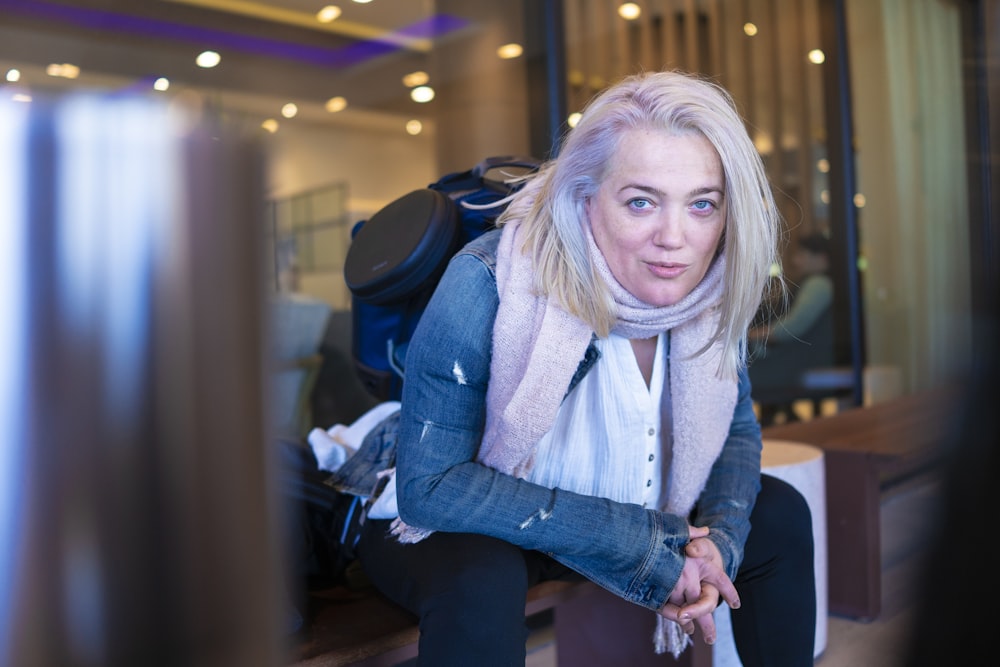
x: 606, y: 440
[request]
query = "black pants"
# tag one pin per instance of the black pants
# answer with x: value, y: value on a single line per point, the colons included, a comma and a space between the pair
x: 469, y: 590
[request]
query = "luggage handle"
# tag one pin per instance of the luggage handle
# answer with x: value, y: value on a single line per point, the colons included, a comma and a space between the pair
x: 521, y: 164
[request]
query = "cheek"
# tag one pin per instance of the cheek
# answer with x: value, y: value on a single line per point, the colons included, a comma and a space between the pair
x: 600, y: 226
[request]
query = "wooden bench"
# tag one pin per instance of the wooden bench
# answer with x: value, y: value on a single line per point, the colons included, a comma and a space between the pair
x: 868, y: 450
x: 358, y: 627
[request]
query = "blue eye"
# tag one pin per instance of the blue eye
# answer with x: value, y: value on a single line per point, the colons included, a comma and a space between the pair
x: 639, y: 204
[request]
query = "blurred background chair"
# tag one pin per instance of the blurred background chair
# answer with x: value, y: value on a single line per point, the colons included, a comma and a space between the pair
x: 298, y: 325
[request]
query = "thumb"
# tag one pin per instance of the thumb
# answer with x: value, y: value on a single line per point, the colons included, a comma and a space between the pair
x: 696, y: 548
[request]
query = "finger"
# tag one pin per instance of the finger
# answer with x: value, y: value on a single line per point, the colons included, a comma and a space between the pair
x: 707, y: 625
x: 703, y: 605
x: 692, y: 593
x: 695, y: 532
x: 697, y: 548
x: 670, y: 612
x: 712, y: 573
x: 724, y: 588
x: 727, y: 591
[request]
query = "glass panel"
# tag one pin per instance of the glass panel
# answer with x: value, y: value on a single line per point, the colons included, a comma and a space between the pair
x: 912, y: 200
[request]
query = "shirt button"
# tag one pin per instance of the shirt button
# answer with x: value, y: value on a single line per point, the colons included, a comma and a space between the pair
x: 652, y: 431
x: 649, y: 483
x: 651, y: 457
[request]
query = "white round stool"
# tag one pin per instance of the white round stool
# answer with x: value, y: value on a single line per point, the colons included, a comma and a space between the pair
x: 802, y: 466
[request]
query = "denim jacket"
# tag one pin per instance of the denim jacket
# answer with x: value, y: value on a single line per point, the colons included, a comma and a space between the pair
x: 633, y: 552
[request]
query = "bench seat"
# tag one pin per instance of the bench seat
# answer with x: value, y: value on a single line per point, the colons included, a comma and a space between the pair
x: 867, y: 451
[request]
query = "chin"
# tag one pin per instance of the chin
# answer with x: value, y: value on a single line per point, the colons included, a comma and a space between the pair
x: 661, y: 301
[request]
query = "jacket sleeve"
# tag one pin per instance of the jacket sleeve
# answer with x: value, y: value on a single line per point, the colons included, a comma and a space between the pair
x: 731, y: 491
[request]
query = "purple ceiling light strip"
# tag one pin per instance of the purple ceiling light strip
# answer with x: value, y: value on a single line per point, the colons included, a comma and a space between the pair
x: 353, y: 54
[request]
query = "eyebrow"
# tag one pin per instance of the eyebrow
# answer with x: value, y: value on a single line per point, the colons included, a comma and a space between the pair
x: 708, y: 189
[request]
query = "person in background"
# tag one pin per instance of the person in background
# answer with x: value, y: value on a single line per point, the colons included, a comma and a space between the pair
x: 801, y: 338
x: 576, y: 401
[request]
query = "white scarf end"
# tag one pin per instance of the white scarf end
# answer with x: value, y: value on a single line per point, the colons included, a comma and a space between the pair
x: 407, y: 534
x: 669, y: 637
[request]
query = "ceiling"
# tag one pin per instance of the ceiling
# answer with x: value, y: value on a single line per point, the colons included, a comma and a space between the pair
x: 273, y: 51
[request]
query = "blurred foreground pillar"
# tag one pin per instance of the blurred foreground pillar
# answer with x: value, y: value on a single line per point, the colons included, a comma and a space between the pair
x: 136, y: 522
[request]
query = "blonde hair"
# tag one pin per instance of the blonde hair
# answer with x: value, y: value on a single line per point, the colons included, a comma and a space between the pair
x: 551, y: 206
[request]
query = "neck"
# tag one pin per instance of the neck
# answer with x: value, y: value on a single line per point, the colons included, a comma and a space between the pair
x: 645, y: 353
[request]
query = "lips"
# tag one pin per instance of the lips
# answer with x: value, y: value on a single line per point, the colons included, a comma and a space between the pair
x: 667, y: 269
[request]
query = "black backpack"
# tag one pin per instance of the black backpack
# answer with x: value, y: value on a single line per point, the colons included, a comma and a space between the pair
x: 322, y: 526
x: 397, y: 256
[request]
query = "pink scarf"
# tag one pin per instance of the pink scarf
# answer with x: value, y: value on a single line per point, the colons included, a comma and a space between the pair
x: 537, y: 347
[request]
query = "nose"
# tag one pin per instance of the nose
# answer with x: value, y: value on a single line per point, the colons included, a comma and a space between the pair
x: 670, y: 230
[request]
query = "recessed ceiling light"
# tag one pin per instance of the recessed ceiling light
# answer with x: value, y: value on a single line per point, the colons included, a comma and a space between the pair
x: 508, y: 51
x: 64, y: 70
x: 335, y: 104
x: 13, y: 75
x: 271, y: 125
x: 414, y: 79
x: 414, y: 127
x: 422, y: 94
x: 816, y: 56
x: 161, y: 84
x: 629, y: 11
x: 290, y: 110
x: 328, y: 14
x: 208, y: 59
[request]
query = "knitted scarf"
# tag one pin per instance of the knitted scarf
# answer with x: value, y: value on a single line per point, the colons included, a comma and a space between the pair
x: 537, y: 347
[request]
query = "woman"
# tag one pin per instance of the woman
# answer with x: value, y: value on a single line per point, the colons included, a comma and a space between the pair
x: 576, y: 399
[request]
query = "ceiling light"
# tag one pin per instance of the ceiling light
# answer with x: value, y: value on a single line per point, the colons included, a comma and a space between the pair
x: 161, y: 84
x: 328, y: 14
x: 65, y: 70
x: 573, y: 119
x: 422, y: 94
x: 764, y: 143
x: 414, y: 79
x: 629, y: 11
x: 208, y: 59
x: 414, y: 127
x: 816, y: 56
x: 270, y: 125
x: 289, y: 110
x: 508, y: 51
x: 749, y: 29
x: 13, y: 75
x: 362, y: 2
x: 335, y: 104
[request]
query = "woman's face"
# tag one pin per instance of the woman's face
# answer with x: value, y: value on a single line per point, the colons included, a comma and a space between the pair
x: 659, y: 214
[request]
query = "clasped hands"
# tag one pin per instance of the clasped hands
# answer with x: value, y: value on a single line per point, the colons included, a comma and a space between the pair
x: 703, y: 580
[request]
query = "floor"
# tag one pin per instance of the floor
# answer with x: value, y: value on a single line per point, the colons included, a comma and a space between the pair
x: 879, y: 643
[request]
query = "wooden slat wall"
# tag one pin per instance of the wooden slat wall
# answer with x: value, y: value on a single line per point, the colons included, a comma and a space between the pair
x: 776, y: 88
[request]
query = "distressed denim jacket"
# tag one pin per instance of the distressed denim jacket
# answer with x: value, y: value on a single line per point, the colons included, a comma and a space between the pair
x: 633, y: 552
